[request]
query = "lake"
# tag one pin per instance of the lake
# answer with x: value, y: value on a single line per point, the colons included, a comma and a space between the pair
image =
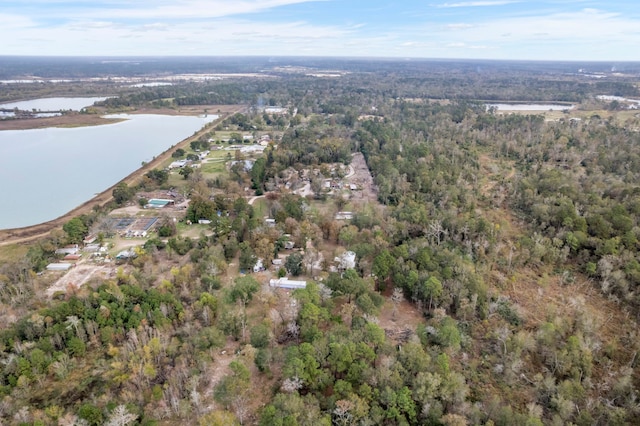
x: 44, y: 173
x: 53, y: 104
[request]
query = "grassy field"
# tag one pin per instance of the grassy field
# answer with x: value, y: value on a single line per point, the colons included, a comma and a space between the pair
x: 260, y: 208
x: 216, y: 162
x: 13, y: 252
x: 621, y: 116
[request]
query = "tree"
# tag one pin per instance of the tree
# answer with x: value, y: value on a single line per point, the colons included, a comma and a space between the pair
x: 247, y: 257
x: 91, y: 414
x: 258, y: 174
x: 178, y: 153
x: 430, y: 289
x: 242, y: 291
x: 382, y: 266
x: 122, y: 193
x: 120, y: 416
x: 349, y: 284
x: 293, y: 264
x: 186, y: 171
x: 167, y: 228
x: 200, y: 208
x: 259, y: 336
x: 234, y: 390
x: 75, y: 229
x: 158, y: 176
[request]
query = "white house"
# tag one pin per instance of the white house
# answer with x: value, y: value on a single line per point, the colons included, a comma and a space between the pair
x: 59, y: 266
x: 71, y: 249
x: 259, y: 266
x: 287, y: 283
x: 346, y: 261
x: 344, y: 215
x: 178, y: 164
x: 275, y: 110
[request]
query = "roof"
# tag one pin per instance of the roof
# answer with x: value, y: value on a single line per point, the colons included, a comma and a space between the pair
x: 287, y: 283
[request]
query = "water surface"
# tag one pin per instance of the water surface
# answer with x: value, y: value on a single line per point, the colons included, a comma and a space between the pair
x: 53, y: 104
x: 45, y: 173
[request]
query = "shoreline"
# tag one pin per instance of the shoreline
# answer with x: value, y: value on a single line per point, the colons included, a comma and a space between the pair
x: 29, y: 233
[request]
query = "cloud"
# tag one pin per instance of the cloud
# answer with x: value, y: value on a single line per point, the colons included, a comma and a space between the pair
x: 461, y: 45
x: 225, y: 36
x: 459, y: 26
x: 174, y: 9
x: 254, y: 27
x: 477, y: 3
x: 11, y: 22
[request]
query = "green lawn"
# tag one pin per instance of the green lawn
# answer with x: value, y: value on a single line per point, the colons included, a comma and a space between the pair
x: 214, y: 167
x: 260, y: 207
x: 176, y: 180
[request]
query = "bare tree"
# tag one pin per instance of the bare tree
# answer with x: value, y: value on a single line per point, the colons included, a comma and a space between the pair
x: 397, y: 297
x: 120, y: 417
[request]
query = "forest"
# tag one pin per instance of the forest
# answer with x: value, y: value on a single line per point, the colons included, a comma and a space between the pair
x: 497, y: 279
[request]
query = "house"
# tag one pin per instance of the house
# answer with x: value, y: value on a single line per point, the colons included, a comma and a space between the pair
x: 346, y: 260
x: 259, y: 266
x: 275, y: 110
x: 287, y: 283
x: 252, y: 149
x: 344, y: 215
x: 59, y: 266
x: 178, y: 164
x: 126, y: 254
x: 71, y: 249
x: 248, y: 164
x: 264, y: 140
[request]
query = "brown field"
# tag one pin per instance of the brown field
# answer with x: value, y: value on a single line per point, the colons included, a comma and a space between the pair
x: 30, y: 233
x: 80, y: 120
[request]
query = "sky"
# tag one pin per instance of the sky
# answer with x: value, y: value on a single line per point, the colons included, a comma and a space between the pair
x: 580, y: 30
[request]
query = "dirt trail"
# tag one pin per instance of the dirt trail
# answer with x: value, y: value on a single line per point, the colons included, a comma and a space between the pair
x: 360, y: 175
x: 77, y: 276
x: 30, y: 233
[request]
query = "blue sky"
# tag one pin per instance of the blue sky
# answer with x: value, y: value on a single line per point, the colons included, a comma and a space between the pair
x: 474, y: 29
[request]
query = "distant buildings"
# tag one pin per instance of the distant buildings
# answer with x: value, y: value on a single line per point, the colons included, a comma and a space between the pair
x: 178, y: 164
x: 344, y: 215
x: 276, y: 110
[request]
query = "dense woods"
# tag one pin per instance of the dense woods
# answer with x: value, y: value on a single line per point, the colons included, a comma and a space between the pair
x: 497, y: 278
